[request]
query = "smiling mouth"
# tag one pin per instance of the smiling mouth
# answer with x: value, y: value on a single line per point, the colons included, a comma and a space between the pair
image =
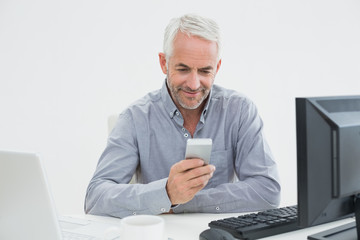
x: 191, y: 94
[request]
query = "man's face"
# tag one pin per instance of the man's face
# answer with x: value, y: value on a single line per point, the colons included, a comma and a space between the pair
x: 191, y: 70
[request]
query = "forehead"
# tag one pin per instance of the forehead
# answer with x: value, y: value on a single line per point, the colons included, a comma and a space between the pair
x: 194, y: 51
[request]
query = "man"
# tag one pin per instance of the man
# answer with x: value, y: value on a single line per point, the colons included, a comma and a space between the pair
x: 150, y: 137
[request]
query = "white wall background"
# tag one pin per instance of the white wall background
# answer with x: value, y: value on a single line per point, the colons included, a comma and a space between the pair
x: 65, y: 66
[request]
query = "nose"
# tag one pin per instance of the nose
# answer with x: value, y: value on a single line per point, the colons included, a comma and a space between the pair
x: 194, y: 81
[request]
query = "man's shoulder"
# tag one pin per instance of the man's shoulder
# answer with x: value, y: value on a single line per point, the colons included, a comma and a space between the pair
x: 143, y: 104
x: 149, y: 99
x: 220, y: 93
x: 234, y: 103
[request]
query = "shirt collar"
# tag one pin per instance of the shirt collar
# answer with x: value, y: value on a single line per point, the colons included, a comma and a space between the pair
x: 207, y: 102
x: 170, y: 106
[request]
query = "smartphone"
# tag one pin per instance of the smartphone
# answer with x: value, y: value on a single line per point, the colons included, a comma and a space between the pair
x: 199, y: 148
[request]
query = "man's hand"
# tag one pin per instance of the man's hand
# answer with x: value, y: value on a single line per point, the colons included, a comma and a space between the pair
x: 186, y: 178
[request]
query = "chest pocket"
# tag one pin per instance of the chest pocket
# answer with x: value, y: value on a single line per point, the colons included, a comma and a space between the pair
x: 224, y: 163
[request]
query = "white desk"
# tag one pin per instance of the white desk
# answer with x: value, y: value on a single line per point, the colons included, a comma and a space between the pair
x: 189, y: 226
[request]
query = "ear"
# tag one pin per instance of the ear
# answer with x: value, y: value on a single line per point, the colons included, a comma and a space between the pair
x: 218, y: 66
x: 162, y: 60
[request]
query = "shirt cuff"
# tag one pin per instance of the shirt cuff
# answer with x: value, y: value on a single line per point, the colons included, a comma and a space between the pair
x: 174, y: 206
x: 158, y: 198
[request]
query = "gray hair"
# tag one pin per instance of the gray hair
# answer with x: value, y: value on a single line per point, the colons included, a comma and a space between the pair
x: 192, y: 25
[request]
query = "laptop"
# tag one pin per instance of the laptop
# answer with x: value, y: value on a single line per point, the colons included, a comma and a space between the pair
x: 27, y: 210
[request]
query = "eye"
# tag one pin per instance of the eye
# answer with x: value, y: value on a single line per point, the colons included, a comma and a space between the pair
x: 205, y: 71
x: 183, y: 69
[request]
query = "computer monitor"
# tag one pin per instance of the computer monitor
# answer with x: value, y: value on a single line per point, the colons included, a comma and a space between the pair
x: 328, y: 156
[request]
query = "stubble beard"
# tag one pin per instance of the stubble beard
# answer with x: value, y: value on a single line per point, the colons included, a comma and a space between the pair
x: 175, y: 93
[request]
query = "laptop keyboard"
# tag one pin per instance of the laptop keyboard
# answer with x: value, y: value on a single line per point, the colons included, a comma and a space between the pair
x: 77, y: 236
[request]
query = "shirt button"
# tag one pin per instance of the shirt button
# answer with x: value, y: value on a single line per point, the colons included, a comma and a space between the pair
x: 134, y: 213
x: 177, y: 113
x: 186, y: 135
x: 162, y: 209
x: 217, y: 208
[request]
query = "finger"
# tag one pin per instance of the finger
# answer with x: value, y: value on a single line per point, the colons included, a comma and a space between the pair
x: 199, y: 171
x: 200, y: 181
x: 188, y: 164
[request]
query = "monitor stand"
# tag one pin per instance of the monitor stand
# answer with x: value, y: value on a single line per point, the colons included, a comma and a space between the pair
x: 350, y: 231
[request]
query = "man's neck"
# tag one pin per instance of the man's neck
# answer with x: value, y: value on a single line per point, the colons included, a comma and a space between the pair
x: 192, y: 117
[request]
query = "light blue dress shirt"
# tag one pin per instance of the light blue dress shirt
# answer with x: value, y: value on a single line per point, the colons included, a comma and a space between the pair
x: 149, y: 138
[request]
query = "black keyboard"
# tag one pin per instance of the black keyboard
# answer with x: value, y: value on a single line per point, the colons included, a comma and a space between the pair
x: 261, y: 224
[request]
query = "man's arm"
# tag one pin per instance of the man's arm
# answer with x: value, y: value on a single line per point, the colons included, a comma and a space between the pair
x: 109, y: 193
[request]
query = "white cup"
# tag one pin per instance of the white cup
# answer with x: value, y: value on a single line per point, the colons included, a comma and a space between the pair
x: 141, y: 227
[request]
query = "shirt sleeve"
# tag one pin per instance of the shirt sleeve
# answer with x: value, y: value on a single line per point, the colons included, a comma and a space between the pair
x: 109, y: 193
x: 257, y: 185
